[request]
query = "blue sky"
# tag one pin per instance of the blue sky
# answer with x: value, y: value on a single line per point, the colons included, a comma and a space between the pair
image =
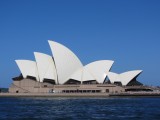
x: 126, y: 31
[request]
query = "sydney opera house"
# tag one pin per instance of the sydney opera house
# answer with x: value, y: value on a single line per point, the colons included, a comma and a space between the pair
x: 64, y: 73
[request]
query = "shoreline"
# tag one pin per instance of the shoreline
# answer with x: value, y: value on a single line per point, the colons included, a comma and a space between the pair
x: 142, y: 94
x: 136, y: 94
x: 53, y: 95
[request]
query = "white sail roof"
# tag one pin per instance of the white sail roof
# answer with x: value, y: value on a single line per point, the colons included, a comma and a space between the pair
x: 66, y: 61
x: 113, y: 77
x: 82, y: 75
x: 46, y: 66
x: 28, y: 68
x: 128, y: 76
x: 125, y: 77
x: 97, y: 70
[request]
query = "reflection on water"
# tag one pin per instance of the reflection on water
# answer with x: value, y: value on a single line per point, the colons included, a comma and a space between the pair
x: 80, y: 108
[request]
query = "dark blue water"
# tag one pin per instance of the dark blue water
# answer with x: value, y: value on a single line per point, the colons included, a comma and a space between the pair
x: 80, y: 108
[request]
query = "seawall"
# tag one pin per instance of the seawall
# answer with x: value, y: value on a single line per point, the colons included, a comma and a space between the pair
x: 125, y: 94
x: 54, y: 95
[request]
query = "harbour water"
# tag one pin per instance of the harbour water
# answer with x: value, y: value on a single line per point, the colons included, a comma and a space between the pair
x: 62, y: 108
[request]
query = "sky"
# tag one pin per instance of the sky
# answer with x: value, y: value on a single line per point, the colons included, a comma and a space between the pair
x: 125, y: 31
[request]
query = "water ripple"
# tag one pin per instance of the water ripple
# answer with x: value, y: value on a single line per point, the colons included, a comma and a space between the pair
x: 80, y: 108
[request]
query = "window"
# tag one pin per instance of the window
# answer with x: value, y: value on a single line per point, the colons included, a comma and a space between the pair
x: 107, y: 90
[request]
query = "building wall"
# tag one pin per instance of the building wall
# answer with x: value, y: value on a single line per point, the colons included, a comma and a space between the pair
x: 31, y: 86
